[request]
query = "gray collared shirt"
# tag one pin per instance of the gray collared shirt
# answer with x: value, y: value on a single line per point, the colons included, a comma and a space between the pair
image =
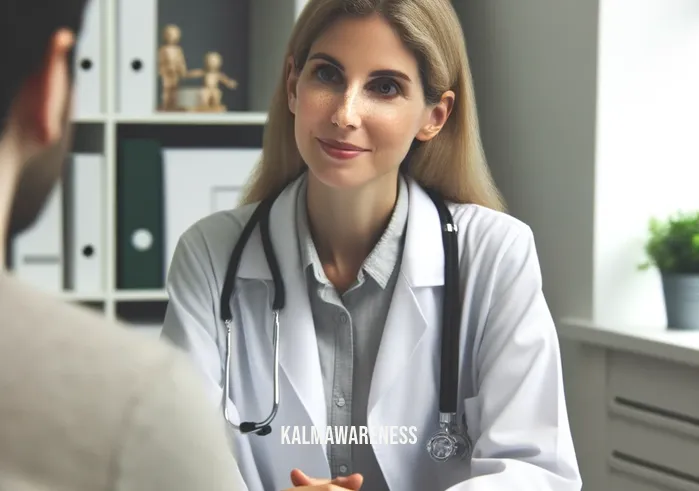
x: 349, y: 329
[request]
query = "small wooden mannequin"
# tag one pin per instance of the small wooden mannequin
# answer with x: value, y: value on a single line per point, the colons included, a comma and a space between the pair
x: 171, y: 67
x: 210, y: 94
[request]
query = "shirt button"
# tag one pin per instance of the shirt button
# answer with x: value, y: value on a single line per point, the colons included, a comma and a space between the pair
x: 343, y: 318
x: 343, y: 468
x: 340, y: 401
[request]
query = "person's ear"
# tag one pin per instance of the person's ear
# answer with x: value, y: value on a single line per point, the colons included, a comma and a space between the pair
x: 437, y: 117
x: 291, y: 81
x: 46, y: 98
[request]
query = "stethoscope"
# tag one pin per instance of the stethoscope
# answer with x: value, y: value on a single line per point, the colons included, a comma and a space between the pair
x: 451, y: 440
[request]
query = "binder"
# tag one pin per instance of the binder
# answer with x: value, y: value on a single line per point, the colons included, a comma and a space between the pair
x: 224, y: 197
x: 211, y: 180
x: 140, y: 215
x: 85, y: 233
x: 37, y: 252
x: 88, y: 63
x: 137, y: 56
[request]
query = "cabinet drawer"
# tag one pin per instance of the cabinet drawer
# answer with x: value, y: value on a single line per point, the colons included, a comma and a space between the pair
x: 630, y: 476
x: 655, y: 446
x: 655, y: 385
x: 624, y: 482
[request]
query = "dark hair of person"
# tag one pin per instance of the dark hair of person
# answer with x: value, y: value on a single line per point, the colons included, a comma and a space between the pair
x: 26, y: 29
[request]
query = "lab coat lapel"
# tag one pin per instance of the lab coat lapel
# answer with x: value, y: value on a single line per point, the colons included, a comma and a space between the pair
x: 404, y: 328
x: 298, y: 348
x: 298, y: 351
x: 413, y: 303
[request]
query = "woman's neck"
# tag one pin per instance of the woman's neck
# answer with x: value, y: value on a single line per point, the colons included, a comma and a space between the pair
x: 346, y: 224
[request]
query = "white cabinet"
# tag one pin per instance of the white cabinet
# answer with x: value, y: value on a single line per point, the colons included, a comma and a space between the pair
x: 635, y: 404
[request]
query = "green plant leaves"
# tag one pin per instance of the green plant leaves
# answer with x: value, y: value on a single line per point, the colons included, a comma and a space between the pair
x: 673, y: 244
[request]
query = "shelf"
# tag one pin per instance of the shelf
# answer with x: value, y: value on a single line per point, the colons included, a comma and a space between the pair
x: 655, y: 340
x: 90, y: 119
x: 141, y: 295
x: 119, y: 295
x: 82, y: 297
x: 183, y: 118
x: 230, y: 118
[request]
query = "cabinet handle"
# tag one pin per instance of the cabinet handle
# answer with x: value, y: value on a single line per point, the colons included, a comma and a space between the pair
x: 684, y: 425
x: 657, y: 474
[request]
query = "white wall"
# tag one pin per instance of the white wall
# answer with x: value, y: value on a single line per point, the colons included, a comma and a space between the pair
x: 534, y: 68
x: 590, y: 123
x: 589, y: 112
x: 647, y: 160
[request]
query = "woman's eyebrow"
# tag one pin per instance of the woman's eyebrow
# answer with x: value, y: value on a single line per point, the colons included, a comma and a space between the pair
x: 375, y: 73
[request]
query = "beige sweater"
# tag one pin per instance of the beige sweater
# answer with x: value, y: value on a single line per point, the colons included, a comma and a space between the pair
x: 85, y: 405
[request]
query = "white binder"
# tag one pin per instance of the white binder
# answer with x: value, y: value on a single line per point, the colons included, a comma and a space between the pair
x: 88, y: 63
x: 37, y: 253
x: 137, y: 45
x: 85, y: 268
x: 224, y: 197
x: 199, y: 182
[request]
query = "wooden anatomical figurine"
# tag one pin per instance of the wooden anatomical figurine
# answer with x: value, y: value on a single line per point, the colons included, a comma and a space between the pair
x: 171, y: 67
x: 210, y: 94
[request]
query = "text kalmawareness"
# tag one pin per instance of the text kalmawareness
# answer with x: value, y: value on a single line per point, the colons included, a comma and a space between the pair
x: 348, y: 435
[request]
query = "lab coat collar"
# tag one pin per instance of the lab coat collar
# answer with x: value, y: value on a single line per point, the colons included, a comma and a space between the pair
x: 423, y: 257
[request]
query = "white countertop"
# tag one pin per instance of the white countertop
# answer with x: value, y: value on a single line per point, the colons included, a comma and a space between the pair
x: 660, y: 342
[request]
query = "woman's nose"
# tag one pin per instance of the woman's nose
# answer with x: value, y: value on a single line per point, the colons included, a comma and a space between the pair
x: 348, y: 111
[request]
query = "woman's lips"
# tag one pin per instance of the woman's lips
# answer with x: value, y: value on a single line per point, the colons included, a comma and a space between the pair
x: 340, y: 150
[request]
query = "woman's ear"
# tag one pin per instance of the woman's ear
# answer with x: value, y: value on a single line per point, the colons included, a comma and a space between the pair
x: 437, y: 117
x: 291, y: 81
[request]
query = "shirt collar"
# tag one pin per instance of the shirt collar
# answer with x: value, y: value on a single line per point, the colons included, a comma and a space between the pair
x: 384, y: 256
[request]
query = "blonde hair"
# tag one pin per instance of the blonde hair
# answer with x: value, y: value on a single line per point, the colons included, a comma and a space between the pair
x: 452, y: 163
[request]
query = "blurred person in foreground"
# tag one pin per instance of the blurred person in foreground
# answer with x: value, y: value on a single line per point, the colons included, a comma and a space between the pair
x: 84, y: 405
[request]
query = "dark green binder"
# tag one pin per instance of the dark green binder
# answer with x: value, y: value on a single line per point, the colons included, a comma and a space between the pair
x: 140, y: 220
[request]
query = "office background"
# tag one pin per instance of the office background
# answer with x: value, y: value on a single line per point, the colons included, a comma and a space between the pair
x: 589, y: 118
x: 139, y: 176
x: 588, y: 115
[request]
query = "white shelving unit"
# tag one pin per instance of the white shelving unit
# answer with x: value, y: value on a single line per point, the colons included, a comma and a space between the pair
x: 268, y: 24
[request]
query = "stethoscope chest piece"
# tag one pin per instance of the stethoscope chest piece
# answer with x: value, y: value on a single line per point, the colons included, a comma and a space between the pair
x: 450, y: 442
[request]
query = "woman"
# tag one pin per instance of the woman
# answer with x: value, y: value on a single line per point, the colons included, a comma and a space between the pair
x: 375, y: 106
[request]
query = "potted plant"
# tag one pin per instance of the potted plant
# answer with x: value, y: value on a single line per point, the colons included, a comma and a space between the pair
x: 673, y: 248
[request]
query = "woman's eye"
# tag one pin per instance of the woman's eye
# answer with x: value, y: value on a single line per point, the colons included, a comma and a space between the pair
x: 326, y: 73
x: 386, y: 88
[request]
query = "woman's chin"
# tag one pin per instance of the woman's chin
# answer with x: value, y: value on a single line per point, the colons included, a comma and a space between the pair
x: 344, y: 177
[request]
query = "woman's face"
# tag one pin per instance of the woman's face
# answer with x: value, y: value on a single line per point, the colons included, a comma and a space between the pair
x: 358, y: 104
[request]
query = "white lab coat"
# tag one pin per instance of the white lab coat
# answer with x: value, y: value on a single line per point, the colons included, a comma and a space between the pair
x: 510, y: 371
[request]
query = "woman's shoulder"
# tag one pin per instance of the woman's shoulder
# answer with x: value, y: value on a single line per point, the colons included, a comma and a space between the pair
x: 212, y: 238
x: 224, y: 225
x: 481, y: 223
x: 495, y: 243
x: 476, y: 223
